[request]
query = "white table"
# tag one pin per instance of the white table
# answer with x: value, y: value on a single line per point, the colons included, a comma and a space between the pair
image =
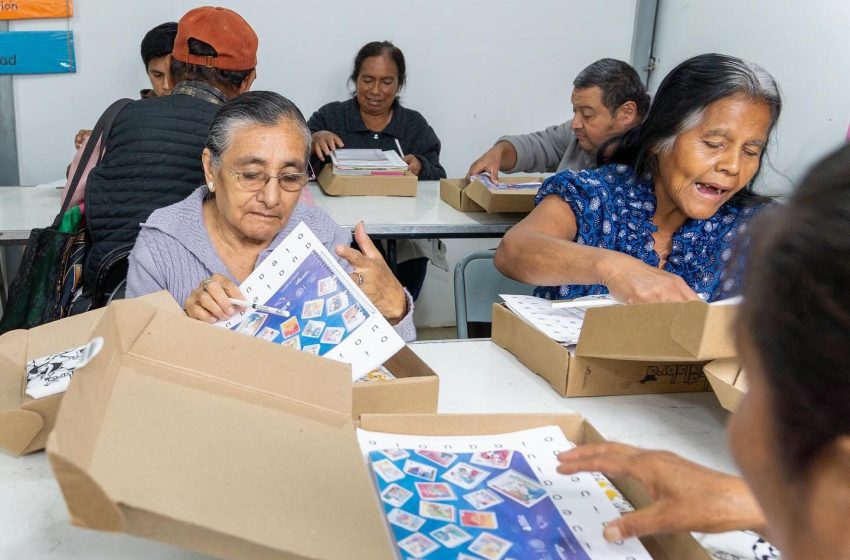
x: 422, y: 216
x: 475, y: 376
x: 24, y: 208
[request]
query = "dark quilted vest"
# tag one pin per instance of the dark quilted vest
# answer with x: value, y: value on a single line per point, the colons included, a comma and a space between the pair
x: 153, y: 159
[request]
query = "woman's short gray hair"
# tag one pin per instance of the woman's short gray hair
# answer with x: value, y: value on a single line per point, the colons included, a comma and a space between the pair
x: 255, y: 108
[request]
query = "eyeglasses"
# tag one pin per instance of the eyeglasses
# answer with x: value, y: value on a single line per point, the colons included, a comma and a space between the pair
x: 254, y: 181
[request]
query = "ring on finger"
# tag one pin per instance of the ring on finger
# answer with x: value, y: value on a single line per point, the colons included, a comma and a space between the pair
x: 359, y: 278
x: 206, y: 283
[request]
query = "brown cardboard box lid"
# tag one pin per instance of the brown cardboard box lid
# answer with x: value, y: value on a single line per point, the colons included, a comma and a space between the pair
x: 681, y: 331
x: 367, y: 185
x: 24, y: 421
x: 519, y: 200
x: 197, y: 436
x: 452, y: 193
x: 728, y: 380
x: 679, y: 546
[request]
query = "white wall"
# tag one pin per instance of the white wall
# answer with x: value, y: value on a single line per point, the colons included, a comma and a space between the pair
x: 477, y: 69
x: 804, y: 45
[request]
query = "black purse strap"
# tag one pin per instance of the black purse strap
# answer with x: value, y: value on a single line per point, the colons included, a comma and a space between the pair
x: 100, y: 133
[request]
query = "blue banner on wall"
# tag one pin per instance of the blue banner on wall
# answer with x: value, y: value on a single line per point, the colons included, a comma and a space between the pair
x: 37, y: 52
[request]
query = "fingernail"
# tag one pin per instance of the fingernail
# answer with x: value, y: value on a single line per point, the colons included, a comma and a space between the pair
x: 230, y: 310
x: 612, y: 533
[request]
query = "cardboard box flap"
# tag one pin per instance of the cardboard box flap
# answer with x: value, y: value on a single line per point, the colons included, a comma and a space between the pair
x: 728, y: 381
x: 451, y: 192
x: 18, y: 428
x: 572, y: 423
x: 537, y: 351
x: 247, y: 361
x: 13, y: 357
x: 88, y: 505
x: 684, y: 331
x: 167, y: 446
x: 706, y: 330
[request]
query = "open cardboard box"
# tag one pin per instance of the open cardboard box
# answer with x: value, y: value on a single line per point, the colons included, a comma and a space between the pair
x: 239, y: 454
x: 679, y: 546
x: 367, y: 185
x: 495, y: 201
x: 625, y: 349
x: 728, y: 380
x: 24, y: 421
x: 415, y: 388
x: 473, y: 196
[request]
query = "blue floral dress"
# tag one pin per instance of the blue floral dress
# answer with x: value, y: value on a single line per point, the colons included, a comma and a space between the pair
x: 614, y: 209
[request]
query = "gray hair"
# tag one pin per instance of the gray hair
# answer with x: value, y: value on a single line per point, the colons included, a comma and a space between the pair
x: 740, y: 77
x: 255, y: 108
x: 680, y: 104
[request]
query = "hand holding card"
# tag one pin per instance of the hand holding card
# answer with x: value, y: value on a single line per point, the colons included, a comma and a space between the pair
x: 374, y: 276
x: 322, y: 311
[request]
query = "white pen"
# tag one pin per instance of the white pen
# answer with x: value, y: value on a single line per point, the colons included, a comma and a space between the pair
x: 584, y: 303
x: 259, y: 307
x: 400, y: 151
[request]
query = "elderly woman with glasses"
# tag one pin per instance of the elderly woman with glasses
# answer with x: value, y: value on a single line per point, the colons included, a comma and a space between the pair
x: 255, y: 165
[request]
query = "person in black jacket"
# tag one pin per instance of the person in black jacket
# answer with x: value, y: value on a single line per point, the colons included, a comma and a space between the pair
x: 153, y: 152
x: 156, y: 46
x: 375, y: 118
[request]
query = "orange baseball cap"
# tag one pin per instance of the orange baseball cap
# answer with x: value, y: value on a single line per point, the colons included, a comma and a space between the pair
x: 225, y: 31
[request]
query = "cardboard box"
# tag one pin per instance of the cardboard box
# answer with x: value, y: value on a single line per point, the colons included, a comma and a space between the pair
x: 415, y: 389
x: 452, y: 193
x: 25, y: 422
x: 624, y: 350
x: 519, y: 200
x: 728, y: 380
x: 174, y: 436
x: 367, y: 185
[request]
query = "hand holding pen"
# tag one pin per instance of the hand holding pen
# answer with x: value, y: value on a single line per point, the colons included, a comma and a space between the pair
x: 413, y: 164
x: 259, y: 307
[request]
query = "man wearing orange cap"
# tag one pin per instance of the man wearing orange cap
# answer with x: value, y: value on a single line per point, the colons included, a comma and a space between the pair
x: 153, y: 156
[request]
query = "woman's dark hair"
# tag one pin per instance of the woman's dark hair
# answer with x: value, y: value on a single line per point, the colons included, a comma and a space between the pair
x: 228, y: 80
x: 619, y: 83
x: 796, y: 311
x: 159, y: 41
x: 380, y: 48
x: 679, y: 105
x: 254, y: 108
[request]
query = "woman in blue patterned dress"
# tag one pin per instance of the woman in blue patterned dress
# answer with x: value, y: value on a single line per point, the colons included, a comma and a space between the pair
x: 790, y: 435
x: 659, y: 221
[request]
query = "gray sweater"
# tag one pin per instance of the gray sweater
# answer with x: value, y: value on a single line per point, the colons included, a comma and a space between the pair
x: 174, y: 253
x: 546, y: 151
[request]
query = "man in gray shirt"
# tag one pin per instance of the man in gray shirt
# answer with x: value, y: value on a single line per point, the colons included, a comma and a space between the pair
x: 608, y: 99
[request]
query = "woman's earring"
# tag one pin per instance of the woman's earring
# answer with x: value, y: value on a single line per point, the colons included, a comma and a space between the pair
x: 211, y: 186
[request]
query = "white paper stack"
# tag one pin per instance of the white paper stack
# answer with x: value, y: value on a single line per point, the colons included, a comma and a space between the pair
x: 487, y: 181
x: 561, y: 325
x: 367, y: 162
